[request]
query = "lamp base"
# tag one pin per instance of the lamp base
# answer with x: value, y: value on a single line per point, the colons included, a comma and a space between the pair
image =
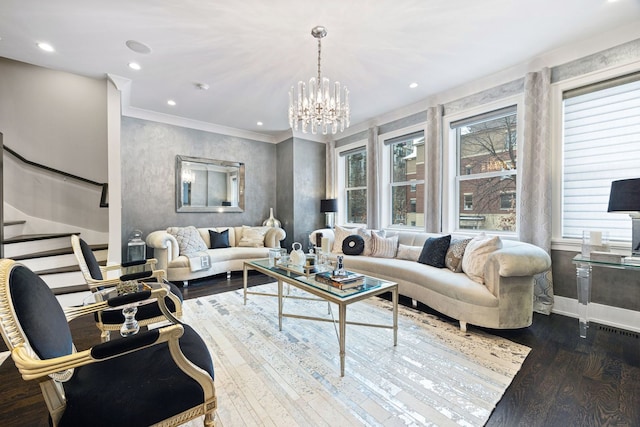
x: 329, y: 219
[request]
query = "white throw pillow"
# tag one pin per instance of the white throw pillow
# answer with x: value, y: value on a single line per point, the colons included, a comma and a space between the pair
x: 253, y: 237
x: 411, y: 253
x: 340, y: 234
x: 476, y: 254
x: 384, y: 247
x: 189, y: 239
x: 368, y: 240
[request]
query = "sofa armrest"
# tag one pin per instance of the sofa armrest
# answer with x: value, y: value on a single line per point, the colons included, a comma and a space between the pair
x: 521, y: 259
x: 165, y: 247
x: 273, y: 237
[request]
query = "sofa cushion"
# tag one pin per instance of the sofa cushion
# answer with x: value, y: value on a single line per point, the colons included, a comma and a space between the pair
x: 340, y: 234
x: 189, y: 239
x: 434, y: 251
x: 384, y: 247
x: 410, y: 253
x: 476, y: 254
x: 353, y: 245
x: 253, y: 237
x: 219, y: 240
x: 453, y: 259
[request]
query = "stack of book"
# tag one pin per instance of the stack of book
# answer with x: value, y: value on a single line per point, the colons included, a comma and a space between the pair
x: 348, y: 280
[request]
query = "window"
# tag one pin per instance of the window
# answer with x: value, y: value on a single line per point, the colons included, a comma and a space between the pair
x: 352, y: 168
x: 468, y: 201
x: 601, y: 124
x: 405, y: 156
x: 485, y: 181
x: 507, y: 201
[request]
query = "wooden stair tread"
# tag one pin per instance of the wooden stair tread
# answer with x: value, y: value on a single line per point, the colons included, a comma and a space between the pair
x: 70, y: 289
x: 34, y: 237
x: 55, y: 252
x: 66, y: 269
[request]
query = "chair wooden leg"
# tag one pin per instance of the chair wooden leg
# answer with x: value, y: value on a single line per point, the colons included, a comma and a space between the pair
x: 105, y: 336
x: 209, y: 420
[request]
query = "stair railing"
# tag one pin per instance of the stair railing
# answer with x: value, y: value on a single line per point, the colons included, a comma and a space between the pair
x: 104, y: 203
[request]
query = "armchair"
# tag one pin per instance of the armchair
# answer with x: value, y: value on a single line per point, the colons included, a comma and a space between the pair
x: 158, y: 377
x: 111, y: 320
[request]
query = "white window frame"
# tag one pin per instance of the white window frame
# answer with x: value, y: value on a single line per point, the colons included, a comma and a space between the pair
x: 450, y: 197
x: 340, y: 180
x: 384, y: 166
x: 557, y: 119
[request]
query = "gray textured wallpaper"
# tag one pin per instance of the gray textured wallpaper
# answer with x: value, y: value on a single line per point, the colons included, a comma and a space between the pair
x: 149, y: 150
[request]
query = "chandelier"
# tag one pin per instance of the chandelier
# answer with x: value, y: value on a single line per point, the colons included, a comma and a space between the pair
x: 319, y: 108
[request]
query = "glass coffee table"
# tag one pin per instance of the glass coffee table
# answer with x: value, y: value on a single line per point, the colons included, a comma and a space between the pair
x: 304, y: 280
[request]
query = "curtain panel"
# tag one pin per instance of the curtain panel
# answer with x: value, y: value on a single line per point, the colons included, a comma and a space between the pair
x: 433, y: 142
x: 535, y: 204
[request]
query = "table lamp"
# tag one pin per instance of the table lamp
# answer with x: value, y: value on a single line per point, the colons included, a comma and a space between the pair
x: 625, y: 197
x: 329, y: 207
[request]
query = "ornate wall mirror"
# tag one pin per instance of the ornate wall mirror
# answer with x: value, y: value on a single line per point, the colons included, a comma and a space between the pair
x: 206, y: 185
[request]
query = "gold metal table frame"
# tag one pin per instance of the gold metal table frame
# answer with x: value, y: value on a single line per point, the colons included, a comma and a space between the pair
x: 372, y: 287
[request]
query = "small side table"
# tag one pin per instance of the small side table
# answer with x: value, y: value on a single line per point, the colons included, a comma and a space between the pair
x: 583, y: 275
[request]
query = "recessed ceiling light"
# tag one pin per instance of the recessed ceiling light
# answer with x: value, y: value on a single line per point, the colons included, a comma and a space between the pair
x: 138, y: 47
x: 171, y: 102
x: 413, y: 85
x: 46, y: 47
x: 259, y: 123
x: 134, y: 66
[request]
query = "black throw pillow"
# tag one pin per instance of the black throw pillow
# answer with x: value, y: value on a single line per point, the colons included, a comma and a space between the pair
x: 219, y: 240
x: 434, y: 251
x: 353, y: 245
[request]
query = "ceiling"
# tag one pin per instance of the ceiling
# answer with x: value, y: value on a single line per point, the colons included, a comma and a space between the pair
x: 250, y: 52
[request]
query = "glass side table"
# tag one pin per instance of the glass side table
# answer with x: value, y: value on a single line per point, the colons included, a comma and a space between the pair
x: 583, y: 276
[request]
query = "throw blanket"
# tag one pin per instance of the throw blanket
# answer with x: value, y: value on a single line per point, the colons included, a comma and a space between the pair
x: 198, y: 260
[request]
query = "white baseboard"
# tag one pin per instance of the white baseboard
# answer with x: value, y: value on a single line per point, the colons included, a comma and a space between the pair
x: 598, y: 313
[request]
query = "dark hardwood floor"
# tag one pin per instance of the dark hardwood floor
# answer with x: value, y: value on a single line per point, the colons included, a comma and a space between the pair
x: 565, y: 380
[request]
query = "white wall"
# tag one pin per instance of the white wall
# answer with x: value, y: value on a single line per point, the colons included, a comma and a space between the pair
x: 59, y: 120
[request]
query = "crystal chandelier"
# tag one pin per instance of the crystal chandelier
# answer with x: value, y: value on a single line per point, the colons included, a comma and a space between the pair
x: 319, y: 107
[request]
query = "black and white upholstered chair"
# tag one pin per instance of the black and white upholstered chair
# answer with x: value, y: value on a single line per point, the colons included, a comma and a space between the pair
x: 158, y: 377
x: 111, y: 320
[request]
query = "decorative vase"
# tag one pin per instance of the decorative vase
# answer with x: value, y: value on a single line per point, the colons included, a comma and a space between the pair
x: 271, y: 221
x: 297, y: 256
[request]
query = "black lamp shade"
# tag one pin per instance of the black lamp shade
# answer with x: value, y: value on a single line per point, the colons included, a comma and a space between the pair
x: 329, y: 205
x: 625, y: 196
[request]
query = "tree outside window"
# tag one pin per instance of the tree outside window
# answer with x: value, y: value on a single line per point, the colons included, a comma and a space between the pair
x: 407, y: 180
x: 487, y: 158
x: 356, y: 187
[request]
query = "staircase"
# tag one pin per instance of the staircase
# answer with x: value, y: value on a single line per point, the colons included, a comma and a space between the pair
x: 52, y: 258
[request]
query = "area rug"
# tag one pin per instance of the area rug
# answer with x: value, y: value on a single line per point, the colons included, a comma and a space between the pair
x: 436, y: 375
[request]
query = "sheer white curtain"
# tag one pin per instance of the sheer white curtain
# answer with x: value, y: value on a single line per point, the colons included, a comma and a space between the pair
x: 535, y: 176
x: 433, y: 142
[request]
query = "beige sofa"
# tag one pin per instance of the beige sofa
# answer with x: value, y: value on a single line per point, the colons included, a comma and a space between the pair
x: 177, y: 265
x: 503, y: 301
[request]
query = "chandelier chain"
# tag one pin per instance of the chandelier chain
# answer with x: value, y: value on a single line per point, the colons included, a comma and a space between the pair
x: 319, y: 51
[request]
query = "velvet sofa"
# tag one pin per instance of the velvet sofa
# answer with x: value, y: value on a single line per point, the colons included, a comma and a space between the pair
x: 498, y: 294
x: 215, y: 250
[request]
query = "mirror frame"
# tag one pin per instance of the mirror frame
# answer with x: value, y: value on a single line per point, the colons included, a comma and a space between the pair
x: 180, y: 207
